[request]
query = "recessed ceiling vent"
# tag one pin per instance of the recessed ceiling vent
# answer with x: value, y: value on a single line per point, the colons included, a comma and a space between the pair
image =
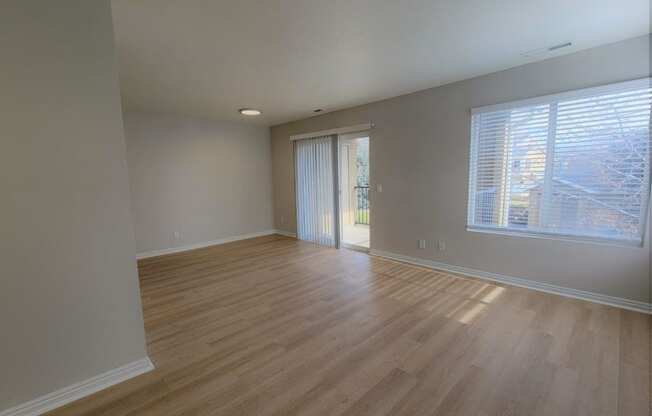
x: 543, y: 51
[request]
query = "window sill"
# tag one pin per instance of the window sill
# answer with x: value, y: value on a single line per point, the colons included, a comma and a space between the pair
x: 556, y: 237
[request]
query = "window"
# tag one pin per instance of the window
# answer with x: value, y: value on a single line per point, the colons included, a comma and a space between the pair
x: 574, y: 164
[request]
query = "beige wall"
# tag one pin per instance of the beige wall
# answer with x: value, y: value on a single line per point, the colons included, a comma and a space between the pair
x: 204, y: 179
x: 69, y: 298
x: 419, y: 152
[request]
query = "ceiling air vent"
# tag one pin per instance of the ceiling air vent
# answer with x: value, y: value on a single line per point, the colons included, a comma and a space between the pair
x: 543, y: 51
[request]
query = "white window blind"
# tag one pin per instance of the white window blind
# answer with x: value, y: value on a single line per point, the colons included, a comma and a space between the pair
x: 574, y: 164
x: 315, y: 192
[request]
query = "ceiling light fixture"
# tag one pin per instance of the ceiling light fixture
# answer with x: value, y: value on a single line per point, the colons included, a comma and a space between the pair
x: 250, y: 112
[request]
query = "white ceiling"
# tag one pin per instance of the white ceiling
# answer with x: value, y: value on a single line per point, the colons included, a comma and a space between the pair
x: 208, y: 58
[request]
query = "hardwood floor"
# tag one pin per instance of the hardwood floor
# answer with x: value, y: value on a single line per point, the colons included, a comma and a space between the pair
x: 274, y: 326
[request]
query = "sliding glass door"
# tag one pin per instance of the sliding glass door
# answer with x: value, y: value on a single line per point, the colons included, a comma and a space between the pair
x: 354, y: 190
x: 315, y: 179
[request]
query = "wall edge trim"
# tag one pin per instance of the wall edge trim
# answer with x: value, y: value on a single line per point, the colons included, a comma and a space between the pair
x: 615, y: 301
x: 81, y: 389
x: 188, y: 247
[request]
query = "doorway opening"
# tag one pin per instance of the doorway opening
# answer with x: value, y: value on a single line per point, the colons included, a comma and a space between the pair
x: 355, y: 207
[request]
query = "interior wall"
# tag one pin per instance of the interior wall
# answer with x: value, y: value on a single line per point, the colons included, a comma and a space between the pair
x: 203, y: 179
x: 419, y: 152
x: 69, y: 296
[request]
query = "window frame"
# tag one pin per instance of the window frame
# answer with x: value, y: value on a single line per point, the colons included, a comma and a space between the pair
x: 553, y: 100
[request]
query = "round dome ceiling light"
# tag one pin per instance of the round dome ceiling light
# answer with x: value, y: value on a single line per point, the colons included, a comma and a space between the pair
x: 250, y: 112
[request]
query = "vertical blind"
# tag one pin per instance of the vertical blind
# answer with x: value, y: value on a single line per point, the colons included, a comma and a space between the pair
x: 315, y: 191
x: 573, y: 164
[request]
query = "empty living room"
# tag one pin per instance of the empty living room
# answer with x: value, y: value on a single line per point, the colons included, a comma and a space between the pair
x: 338, y: 208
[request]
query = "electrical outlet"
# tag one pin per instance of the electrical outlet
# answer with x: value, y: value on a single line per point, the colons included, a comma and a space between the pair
x: 177, y: 235
x: 379, y: 188
x: 422, y: 244
x: 441, y: 245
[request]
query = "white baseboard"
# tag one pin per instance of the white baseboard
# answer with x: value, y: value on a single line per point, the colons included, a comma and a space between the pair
x: 286, y: 233
x: 526, y: 283
x: 77, y: 391
x: 179, y: 249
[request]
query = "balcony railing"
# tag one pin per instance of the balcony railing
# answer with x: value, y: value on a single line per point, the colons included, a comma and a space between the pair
x: 361, y: 204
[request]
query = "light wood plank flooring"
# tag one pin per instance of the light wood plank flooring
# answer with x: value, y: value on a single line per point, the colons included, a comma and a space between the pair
x: 274, y: 326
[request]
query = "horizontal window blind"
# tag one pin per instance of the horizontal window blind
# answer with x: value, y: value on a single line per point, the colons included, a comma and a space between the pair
x: 573, y: 164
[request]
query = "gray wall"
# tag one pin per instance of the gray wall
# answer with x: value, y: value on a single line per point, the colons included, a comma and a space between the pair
x: 69, y: 297
x: 419, y: 152
x: 204, y: 179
